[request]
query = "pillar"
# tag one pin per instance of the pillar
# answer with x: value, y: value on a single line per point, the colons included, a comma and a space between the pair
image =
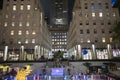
x: 5, y: 53
x: 109, y: 51
x: 94, y: 56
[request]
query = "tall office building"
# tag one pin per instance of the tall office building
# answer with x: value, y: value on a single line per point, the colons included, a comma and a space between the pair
x: 90, y: 32
x: 24, y: 33
x: 59, y: 12
x: 58, y: 24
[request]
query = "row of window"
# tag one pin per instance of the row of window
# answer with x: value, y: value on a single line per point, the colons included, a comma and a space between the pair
x: 11, y: 41
x: 59, y: 49
x: 20, y: 16
x: 59, y: 36
x: 94, y: 31
x: 100, y: 14
x: 59, y: 39
x: 93, y: 6
x: 20, y: 24
x: 56, y: 43
x: 16, y: 0
x: 14, y: 7
x: 20, y: 32
x: 103, y: 40
x: 94, y: 23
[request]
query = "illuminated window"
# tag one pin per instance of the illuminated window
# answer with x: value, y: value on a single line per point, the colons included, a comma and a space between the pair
x: 21, y: 7
x: 27, y: 32
x: 111, y: 39
x: 19, y: 32
x: 93, y: 14
x: 28, y: 7
x: 33, y: 40
x: 13, y: 23
x: 20, y: 24
x: 12, y: 32
x: 103, y: 40
x: 27, y: 24
x: 5, y: 24
x: 88, y: 41
x: 100, y: 14
x: 33, y: 33
x: 19, y: 42
x: 6, y: 16
x: 26, y: 41
x: 14, y: 7
x: 114, y: 14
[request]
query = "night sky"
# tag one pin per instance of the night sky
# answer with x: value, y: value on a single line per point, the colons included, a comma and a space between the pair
x: 46, y: 7
x: 1, y: 4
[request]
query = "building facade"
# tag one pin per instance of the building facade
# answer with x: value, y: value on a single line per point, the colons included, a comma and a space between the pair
x: 90, y: 32
x: 24, y: 32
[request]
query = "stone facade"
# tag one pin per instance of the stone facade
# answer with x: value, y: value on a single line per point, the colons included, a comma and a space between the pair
x: 91, y: 27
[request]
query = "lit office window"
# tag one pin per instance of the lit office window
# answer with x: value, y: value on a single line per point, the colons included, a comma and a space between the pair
x: 14, y: 7
x: 19, y: 32
x: 27, y: 32
x: 27, y: 24
x: 33, y: 33
x: 12, y: 32
x: 13, y: 23
x: 26, y: 41
x: 111, y: 39
x: 103, y: 40
x: 88, y: 41
x: 114, y: 14
x: 20, y: 24
x: 33, y: 40
x: 28, y: 7
x: 100, y: 14
x: 19, y: 42
x: 6, y: 16
x: 21, y: 7
x: 93, y: 14
x: 5, y: 24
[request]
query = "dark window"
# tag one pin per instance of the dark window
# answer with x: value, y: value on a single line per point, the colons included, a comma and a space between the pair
x: 96, y: 40
x: 3, y: 41
x: 81, y: 31
x: 107, y: 7
x: 99, y: 5
x: 22, y: 0
x: 94, y: 23
x: 109, y: 23
x: 15, y: 0
x: 110, y: 32
x: 103, y: 31
x: 86, y: 7
x: 87, y: 23
x: 81, y: 23
x: 92, y: 6
x: 88, y: 31
x: 95, y: 31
